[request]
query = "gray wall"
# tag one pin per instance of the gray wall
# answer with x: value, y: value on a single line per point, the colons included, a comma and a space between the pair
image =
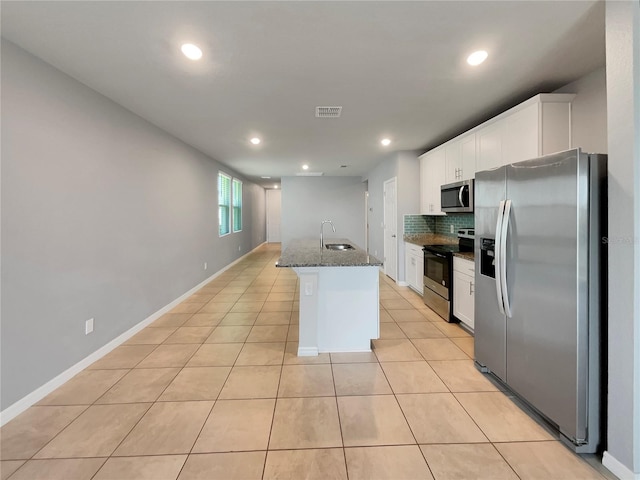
x: 104, y: 216
x: 406, y: 167
x: 623, y: 100
x: 307, y: 201
x: 589, y: 111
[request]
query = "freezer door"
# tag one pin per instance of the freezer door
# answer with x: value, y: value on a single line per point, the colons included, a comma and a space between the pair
x: 547, y: 271
x: 490, y: 327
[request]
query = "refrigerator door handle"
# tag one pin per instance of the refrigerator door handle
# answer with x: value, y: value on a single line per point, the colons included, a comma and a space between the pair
x: 497, y: 259
x: 503, y: 257
x: 460, y: 196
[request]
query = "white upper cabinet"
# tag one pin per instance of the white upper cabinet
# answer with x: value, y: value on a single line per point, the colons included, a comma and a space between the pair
x: 539, y: 126
x: 522, y: 133
x: 453, y: 161
x: 432, y: 176
x: 468, y: 155
x: 460, y: 159
x: 490, y: 143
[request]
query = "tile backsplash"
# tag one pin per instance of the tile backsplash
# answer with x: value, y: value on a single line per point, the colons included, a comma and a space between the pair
x: 419, y: 224
x: 437, y: 224
x: 458, y: 220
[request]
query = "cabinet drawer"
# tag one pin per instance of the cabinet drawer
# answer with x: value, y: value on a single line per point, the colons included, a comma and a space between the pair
x: 463, y: 265
x: 413, y: 249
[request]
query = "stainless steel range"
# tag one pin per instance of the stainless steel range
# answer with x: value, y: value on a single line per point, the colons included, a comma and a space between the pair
x: 438, y: 273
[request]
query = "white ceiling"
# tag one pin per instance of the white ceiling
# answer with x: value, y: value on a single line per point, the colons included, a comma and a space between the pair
x: 397, y: 68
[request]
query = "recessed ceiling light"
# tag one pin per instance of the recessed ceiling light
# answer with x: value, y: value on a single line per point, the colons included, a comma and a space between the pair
x: 386, y: 142
x: 191, y: 51
x: 476, y: 58
x: 305, y: 167
x: 275, y: 186
x: 265, y: 177
x: 255, y: 140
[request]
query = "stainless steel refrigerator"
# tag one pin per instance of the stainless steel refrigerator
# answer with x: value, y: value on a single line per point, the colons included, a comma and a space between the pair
x: 540, y: 294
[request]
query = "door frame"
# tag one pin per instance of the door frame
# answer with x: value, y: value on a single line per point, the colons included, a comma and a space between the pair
x: 394, y: 180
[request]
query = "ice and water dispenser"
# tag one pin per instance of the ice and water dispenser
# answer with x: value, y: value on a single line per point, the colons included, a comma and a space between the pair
x: 487, y: 257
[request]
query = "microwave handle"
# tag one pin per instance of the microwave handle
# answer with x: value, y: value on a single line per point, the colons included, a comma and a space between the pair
x: 460, y: 196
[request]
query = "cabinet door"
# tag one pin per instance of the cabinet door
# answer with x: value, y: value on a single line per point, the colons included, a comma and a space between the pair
x: 420, y: 273
x: 490, y: 143
x: 410, y: 269
x: 453, y: 162
x: 522, y: 140
x: 468, y: 157
x: 435, y: 179
x: 463, y: 298
x: 424, y: 185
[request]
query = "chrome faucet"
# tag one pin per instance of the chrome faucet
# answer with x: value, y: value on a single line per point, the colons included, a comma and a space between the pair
x: 321, y: 232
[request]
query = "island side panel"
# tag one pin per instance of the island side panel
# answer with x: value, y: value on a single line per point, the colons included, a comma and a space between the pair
x: 348, y: 308
x: 308, y: 336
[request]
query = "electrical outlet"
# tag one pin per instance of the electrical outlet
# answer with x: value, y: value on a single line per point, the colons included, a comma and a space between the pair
x: 88, y: 326
x: 205, y: 265
x: 451, y: 228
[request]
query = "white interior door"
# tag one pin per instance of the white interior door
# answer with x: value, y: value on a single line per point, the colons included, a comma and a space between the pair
x: 390, y: 229
x: 274, y: 201
x: 366, y: 221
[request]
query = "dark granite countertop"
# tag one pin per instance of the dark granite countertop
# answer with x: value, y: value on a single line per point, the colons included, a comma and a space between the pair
x: 307, y: 253
x: 466, y: 255
x: 423, y: 239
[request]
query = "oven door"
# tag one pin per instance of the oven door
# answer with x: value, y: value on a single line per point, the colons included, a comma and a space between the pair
x: 436, y: 272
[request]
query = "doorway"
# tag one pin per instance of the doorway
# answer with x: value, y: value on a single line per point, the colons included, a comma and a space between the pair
x: 366, y: 218
x: 389, y: 194
x: 274, y: 207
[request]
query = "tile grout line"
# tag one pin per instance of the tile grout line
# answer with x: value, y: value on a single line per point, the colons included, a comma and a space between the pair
x: 335, y: 391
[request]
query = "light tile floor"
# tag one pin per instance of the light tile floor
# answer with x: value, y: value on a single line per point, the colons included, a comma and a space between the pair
x: 215, y: 390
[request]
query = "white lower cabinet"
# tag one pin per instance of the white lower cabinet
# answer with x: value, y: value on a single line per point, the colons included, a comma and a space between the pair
x: 414, y: 266
x: 463, y: 290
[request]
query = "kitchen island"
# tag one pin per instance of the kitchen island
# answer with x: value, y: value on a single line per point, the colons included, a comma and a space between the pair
x: 339, y: 296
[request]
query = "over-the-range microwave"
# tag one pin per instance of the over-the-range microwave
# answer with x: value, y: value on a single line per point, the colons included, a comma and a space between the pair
x: 457, y: 197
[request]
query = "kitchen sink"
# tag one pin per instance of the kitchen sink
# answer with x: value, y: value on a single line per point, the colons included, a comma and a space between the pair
x: 339, y: 246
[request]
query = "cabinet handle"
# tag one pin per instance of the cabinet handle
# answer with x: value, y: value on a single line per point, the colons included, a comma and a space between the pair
x: 471, y: 288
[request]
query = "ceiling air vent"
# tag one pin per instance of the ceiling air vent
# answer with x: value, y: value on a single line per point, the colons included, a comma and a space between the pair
x: 328, y: 112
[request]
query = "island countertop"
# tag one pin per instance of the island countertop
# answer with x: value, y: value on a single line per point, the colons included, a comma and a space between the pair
x: 307, y: 253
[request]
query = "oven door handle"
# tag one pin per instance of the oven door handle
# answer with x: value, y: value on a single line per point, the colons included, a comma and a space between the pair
x: 497, y: 259
x: 435, y: 254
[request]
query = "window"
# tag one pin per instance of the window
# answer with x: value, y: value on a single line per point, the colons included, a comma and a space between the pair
x: 224, y: 203
x: 237, y: 205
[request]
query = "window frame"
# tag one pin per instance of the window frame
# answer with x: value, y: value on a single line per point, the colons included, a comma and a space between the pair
x: 236, y: 181
x: 228, y: 205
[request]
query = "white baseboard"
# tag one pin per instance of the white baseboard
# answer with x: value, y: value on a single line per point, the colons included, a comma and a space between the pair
x: 618, y: 469
x: 38, y: 394
x: 402, y: 284
x: 307, y: 351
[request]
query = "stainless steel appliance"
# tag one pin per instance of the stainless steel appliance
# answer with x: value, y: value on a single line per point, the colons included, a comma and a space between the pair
x: 538, y: 300
x: 457, y: 197
x: 438, y: 276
